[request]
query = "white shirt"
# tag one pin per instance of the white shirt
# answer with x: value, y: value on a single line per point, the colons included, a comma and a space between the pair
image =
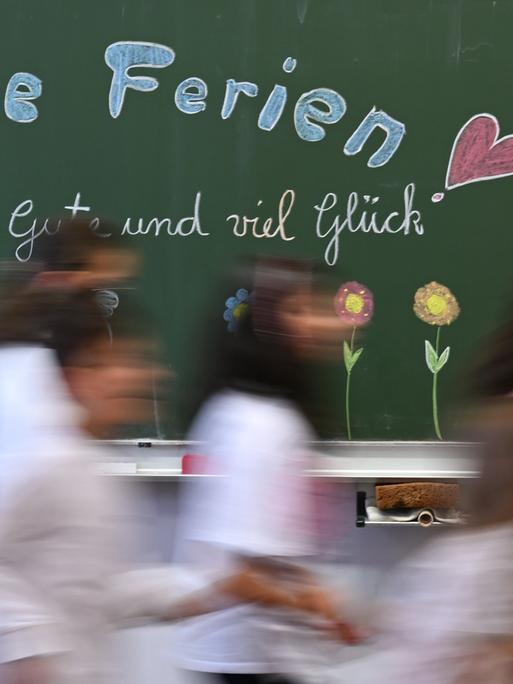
x: 452, y: 605
x: 36, y: 411
x: 257, y: 506
x: 66, y: 574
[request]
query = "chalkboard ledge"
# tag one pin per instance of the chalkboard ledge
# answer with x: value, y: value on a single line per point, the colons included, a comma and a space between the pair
x: 334, y: 460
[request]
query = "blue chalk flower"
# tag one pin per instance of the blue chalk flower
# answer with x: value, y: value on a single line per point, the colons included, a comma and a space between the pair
x: 236, y: 307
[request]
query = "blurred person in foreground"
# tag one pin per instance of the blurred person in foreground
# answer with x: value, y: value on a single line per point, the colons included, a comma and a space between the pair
x: 70, y: 258
x: 72, y: 254
x: 448, y: 617
x: 66, y: 575
x: 253, y: 430
x: 65, y: 579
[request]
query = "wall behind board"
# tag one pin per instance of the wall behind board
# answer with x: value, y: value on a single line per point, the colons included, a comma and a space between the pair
x: 411, y: 76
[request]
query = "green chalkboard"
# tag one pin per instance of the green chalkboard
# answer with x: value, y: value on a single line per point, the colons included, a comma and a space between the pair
x: 400, y: 79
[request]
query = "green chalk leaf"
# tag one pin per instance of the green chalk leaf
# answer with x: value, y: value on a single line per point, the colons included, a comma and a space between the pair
x: 350, y: 358
x: 431, y: 357
x: 442, y: 359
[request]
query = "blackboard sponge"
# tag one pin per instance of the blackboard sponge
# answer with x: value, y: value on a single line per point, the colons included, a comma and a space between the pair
x: 417, y: 495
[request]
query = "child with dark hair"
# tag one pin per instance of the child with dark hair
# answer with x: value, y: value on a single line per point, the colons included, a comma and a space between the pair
x: 73, y: 253
x: 66, y: 581
x: 253, y: 429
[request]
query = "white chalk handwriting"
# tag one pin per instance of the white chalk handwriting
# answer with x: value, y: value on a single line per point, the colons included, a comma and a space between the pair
x: 331, y: 217
x: 361, y: 214
x: 245, y: 225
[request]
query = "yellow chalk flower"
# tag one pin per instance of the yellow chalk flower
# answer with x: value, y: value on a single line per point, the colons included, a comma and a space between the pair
x: 435, y: 304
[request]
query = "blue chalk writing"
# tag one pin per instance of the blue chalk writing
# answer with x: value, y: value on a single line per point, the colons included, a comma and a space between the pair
x: 233, y: 88
x: 289, y: 65
x: 394, y: 129
x: 273, y: 108
x: 305, y: 113
x: 21, y: 89
x: 125, y: 55
x: 190, y: 95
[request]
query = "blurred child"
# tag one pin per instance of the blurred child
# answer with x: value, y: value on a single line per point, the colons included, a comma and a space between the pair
x: 253, y: 429
x: 449, y: 616
x: 73, y: 255
x: 66, y: 581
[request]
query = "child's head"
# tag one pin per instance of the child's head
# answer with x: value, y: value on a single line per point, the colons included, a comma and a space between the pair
x: 73, y: 255
x: 291, y: 310
x: 111, y: 379
x: 285, y: 323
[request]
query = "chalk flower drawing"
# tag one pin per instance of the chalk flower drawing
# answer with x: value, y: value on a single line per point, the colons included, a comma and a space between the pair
x: 236, y: 308
x: 354, y: 304
x: 436, y: 305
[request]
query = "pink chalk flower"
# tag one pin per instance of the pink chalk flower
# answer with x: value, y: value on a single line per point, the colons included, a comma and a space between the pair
x: 354, y: 303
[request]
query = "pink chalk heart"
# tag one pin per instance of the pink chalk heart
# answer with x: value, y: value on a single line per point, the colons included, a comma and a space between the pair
x: 478, y: 154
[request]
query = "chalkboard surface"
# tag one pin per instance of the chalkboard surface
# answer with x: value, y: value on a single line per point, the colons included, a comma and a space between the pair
x: 392, y: 122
